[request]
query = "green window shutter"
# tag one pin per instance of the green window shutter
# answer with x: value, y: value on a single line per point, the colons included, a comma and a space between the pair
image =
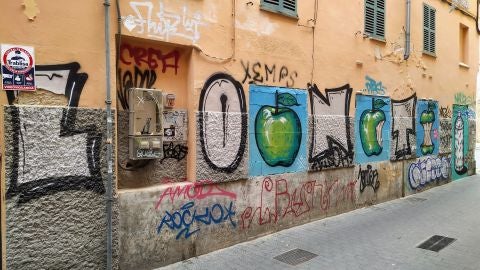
x: 429, y: 27
x: 375, y: 18
x: 286, y: 7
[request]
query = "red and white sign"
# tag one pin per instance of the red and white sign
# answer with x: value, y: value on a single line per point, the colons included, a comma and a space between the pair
x: 18, y: 67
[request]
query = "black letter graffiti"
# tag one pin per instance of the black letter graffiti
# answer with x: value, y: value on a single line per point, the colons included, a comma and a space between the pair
x: 403, y: 127
x: 177, y: 152
x: 283, y: 73
x: 127, y: 80
x: 368, y: 177
x: 222, y: 100
x: 445, y: 136
x: 246, y: 69
x: 48, y: 77
x: 445, y: 112
x: 269, y: 71
x: 331, y: 144
x: 81, y: 139
x: 292, y: 80
x: 259, y: 75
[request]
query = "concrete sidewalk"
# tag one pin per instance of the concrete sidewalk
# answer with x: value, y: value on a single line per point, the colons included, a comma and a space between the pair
x: 380, y: 237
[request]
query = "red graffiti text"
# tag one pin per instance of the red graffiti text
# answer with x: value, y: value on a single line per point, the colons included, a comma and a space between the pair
x: 277, y: 201
x: 195, y: 191
x: 153, y: 58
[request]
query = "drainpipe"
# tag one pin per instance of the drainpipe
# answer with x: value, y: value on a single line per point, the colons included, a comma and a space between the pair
x: 407, y: 32
x: 108, y: 102
x: 476, y: 18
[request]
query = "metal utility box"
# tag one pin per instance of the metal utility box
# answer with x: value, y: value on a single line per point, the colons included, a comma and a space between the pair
x: 145, y: 123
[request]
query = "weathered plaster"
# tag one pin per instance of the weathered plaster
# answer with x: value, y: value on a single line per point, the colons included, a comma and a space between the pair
x: 55, y: 188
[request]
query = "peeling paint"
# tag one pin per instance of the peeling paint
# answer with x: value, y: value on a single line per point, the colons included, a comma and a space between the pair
x: 260, y: 25
x: 31, y: 9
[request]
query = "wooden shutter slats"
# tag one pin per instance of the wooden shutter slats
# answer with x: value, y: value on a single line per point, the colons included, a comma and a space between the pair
x: 375, y: 18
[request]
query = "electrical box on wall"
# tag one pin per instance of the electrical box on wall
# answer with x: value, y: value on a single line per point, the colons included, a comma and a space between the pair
x: 145, y: 127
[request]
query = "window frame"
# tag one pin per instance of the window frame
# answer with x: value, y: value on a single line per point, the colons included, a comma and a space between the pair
x: 429, y: 30
x: 464, y: 44
x: 279, y: 9
x: 375, y: 8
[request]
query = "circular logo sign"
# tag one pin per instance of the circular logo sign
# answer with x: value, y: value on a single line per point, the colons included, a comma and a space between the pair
x: 18, y: 60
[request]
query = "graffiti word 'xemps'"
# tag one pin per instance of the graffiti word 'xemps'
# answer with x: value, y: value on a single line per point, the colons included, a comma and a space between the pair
x: 183, y: 219
x: 262, y: 73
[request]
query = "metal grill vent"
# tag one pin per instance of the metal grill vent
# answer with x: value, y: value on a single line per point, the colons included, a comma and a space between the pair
x: 295, y: 256
x: 436, y: 243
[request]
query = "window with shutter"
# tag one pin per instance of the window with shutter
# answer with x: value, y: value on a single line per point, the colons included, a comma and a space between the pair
x: 429, y: 26
x: 285, y: 7
x: 375, y: 18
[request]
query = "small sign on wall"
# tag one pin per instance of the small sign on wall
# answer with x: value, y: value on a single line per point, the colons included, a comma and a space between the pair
x: 18, y: 67
x: 175, y: 126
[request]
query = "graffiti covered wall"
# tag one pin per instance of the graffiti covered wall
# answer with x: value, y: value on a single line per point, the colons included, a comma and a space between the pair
x: 153, y: 66
x: 427, y: 128
x: 377, y: 182
x: 460, y: 145
x: 188, y: 219
x: 222, y: 130
x: 331, y: 128
x: 278, y: 130
x: 55, y: 187
x: 244, y: 179
x: 372, y: 128
x: 403, y: 128
x: 426, y: 172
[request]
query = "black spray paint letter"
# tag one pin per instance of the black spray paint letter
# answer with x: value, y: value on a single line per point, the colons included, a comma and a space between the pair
x: 222, y: 118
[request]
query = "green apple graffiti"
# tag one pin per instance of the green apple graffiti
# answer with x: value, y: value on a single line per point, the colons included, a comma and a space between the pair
x: 371, y: 124
x: 427, y: 117
x: 278, y: 131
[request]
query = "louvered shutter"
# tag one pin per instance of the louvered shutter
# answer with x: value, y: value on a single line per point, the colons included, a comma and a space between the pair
x: 380, y: 19
x: 429, y: 27
x: 375, y: 18
x: 287, y: 7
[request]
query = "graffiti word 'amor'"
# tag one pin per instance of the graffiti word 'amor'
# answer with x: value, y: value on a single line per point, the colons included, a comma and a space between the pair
x: 278, y: 202
x: 368, y: 178
x: 197, y: 191
x: 151, y: 57
x: 263, y: 73
x: 183, y: 219
x: 163, y: 24
x: 374, y: 88
x: 426, y: 170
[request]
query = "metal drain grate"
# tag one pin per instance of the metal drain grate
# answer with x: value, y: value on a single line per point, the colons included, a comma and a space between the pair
x: 295, y: 256
x: 436, y: 243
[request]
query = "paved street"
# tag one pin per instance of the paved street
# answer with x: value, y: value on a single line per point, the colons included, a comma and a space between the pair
x: 380, y: 237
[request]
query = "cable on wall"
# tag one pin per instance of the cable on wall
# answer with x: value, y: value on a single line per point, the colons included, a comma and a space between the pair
x: 221, y: 59
x: 315, y: 13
